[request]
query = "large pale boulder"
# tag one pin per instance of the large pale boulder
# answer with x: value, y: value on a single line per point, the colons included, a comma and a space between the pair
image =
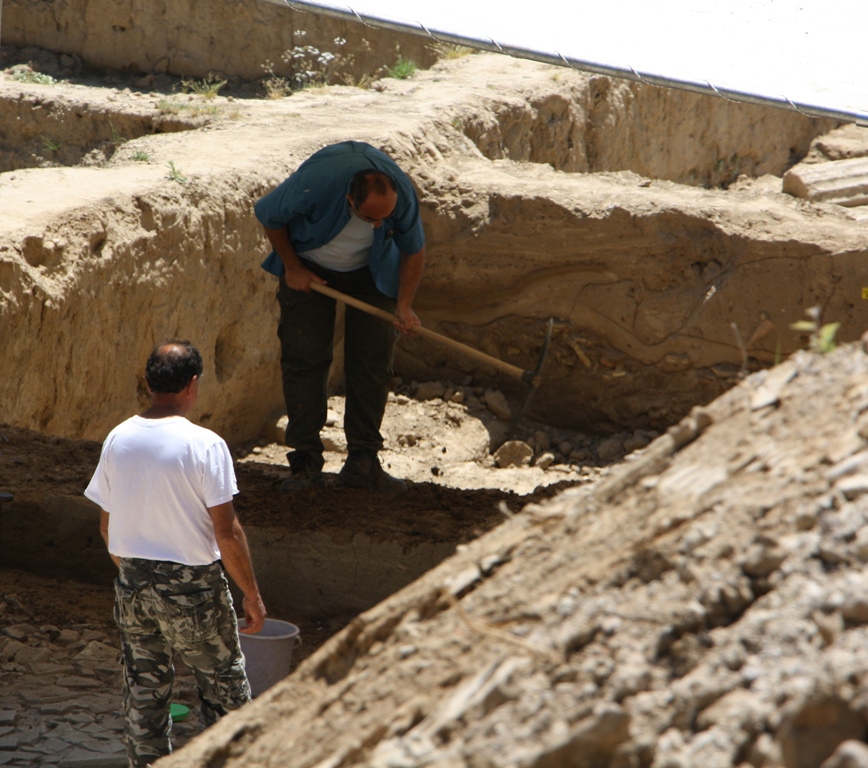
x: 844, y: 182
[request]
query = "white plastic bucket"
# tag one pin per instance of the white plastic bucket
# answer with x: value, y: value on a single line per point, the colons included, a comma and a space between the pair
x: 268, y: 653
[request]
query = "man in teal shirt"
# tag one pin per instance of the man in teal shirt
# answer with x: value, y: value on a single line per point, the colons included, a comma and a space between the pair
x: 349, y: 218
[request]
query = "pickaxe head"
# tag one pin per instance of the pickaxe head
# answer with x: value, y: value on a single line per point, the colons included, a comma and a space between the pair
x: 534, y: 377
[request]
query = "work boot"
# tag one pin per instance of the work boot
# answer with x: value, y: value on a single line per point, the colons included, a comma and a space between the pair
x: 305, y: 474
x: 362, y: 469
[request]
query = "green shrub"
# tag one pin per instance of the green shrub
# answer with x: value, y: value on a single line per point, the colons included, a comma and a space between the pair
x: 29, y: 76
x: 402, y: 69
x: 822, y: 337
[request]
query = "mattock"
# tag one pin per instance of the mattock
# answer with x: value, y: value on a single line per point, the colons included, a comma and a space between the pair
x: 531, y: 377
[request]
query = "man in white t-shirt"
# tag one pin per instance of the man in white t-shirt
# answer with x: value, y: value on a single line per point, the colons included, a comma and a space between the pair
x: 165, y: 488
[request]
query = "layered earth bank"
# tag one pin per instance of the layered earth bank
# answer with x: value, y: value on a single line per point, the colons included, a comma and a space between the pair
x: 546, y: 193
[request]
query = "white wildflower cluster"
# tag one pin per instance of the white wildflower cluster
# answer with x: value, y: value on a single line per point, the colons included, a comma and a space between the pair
x: 310, y: 65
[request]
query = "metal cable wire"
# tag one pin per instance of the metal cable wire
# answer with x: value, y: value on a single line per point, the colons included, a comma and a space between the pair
x: 629, y: 73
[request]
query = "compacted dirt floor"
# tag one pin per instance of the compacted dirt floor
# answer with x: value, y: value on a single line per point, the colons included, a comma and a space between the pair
x: 59, y: 671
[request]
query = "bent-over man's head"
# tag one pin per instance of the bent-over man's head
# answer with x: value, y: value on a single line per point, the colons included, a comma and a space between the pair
x: 172, y: 366
x: 373, y: 196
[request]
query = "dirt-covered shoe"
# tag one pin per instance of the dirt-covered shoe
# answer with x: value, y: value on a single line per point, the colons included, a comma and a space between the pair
x: 363, y: 470
x: 305, y: 478
x: 297, y: 483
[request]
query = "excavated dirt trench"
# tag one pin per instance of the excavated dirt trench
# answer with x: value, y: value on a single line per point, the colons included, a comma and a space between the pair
x: 40, y: 132
x: 321, y: 557
x: 545, y: 194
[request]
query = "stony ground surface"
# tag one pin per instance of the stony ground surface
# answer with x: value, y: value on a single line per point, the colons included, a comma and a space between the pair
x: 59, y: 672
x: 60, y: 678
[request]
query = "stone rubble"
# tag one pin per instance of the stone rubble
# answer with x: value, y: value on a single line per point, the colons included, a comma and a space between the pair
x: 460, y: 423
x: 702, y: 605
x: 60, y: 694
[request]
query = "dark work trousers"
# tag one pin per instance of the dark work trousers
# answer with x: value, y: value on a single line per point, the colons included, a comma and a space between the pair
x: 306, y: 332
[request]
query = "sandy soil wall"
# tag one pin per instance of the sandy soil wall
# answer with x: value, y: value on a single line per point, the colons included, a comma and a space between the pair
x: 645, y: 277
x: 596, y: 123
x: 41, y: 130
x: 650, y: 296
x: 335, y: 576
x: 101, y: 284
x: 193, y: 38
x: 327, y: 575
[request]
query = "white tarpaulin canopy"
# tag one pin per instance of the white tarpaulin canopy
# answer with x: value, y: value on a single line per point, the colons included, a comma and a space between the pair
x: 797, y: 54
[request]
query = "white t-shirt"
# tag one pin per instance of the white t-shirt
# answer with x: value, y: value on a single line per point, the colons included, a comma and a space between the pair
x: 349, y: 250
x: 156, y: 478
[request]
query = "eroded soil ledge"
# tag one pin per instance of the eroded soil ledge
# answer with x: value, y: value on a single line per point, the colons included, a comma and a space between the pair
x: 651, y: 282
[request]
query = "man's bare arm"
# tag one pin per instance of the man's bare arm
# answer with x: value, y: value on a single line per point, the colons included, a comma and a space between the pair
x: 412, y: 266
x: 236, y: 559
x: 103, y: 530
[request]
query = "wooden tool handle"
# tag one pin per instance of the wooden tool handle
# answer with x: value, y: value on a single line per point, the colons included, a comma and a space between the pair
x: 419, y: 330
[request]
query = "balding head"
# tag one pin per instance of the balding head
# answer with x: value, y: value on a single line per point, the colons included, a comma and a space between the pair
x: 372, y: 197
x: 371, y: 182
x: 172, y: 365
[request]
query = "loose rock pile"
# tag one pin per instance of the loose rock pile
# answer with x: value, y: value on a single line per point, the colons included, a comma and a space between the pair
x: 455, y: 435
x: 541, y: 446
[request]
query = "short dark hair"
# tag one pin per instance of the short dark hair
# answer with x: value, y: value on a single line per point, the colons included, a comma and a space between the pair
x: 172, y: 365
x: 367, y: 181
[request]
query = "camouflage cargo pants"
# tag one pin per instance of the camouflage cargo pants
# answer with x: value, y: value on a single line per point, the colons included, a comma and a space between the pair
x: 163, y: 608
